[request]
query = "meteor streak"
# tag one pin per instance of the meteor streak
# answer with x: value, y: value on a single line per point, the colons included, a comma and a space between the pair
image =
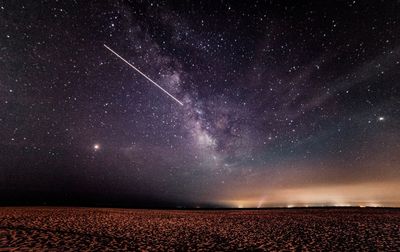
x: 137, y: 70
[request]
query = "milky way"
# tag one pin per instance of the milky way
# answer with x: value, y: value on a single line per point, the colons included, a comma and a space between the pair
x: 283, y: 103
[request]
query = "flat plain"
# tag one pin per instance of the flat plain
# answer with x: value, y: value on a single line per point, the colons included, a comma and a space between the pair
x: 86, y: 229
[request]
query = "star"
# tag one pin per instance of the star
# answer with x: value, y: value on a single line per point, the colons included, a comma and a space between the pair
x: 96, y: 147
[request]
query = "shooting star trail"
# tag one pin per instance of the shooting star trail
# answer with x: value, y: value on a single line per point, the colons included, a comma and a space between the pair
x: 137, y: 70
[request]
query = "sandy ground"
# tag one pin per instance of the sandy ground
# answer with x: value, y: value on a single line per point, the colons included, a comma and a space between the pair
x: 63, y: 229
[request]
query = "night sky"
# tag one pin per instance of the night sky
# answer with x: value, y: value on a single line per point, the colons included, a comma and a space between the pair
x: 284, y: 103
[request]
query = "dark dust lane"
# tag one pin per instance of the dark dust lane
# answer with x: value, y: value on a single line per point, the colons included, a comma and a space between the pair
x: 158, y: 230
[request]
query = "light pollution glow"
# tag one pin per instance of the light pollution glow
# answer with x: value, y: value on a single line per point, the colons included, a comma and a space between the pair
x: 363, y: 194
x: 302, y: 184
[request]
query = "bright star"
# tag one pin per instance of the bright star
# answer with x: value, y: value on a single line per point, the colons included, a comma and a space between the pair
x: 96, y: 147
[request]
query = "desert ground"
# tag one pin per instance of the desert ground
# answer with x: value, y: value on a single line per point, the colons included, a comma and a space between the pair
x: 83, y: 229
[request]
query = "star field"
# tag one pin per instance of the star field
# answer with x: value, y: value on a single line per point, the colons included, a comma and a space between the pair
x: 283, y: 103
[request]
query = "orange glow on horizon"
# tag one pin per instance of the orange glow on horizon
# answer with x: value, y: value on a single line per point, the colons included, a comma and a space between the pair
x: 362, y: 194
